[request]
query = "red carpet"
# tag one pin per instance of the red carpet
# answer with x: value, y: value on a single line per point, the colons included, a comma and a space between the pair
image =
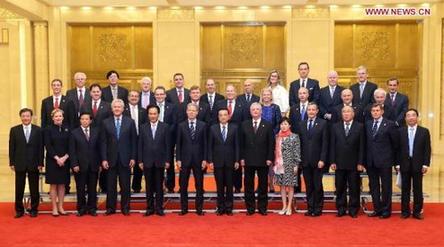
x: 212, y: 230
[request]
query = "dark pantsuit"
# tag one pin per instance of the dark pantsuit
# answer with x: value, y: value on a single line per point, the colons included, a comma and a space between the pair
x: 137, y: 179
x: 380, y: 182
x: 154, y: 177
x: 33, y: 181
x: 407, y: 179
x: 224, y: 184
x: 88, y: 179
x: 262, y: 174
x: 347, y: 179
x: 314, y: 188
x: 198, y: 183
x: 124, y: 174
x: 237, y: 179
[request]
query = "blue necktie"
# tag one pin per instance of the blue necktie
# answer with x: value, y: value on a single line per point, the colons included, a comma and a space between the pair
x: 303, y: 112
x: 375, y: 128
x: 310, y: 124
x: 224, y: 133
x: 411, y: 140
x: 118, y: 128
x: 193, y: 131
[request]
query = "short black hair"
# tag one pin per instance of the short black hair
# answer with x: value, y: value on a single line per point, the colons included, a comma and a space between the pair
x: 112, y: 72
x: 376, y: 105
x: 178, y: 74
x: 95, y: 85
x: 285, y: 119
x: 23, y: 110
x: 85, y: 113
x: 413, y: 110
x: 222, y: 109
x: 393, y: 79
x: 303, y: 63
x: 151, y: 107
x: 159, y: 88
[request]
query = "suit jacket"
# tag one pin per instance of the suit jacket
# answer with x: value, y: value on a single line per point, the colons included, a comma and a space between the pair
x: 125, y: 147
x: 243, y: 99
x: 421, y: 150
x: 154, y: 152
x: 347, y: 151
x: 223, y: 153
x: 256, y: 148
x: 326, y: 102
x: 25, y: 156
x: 388, y: 113
x: 170, y: 117
x: 188, y: 150
x: 65, y: 104
x: 367, y: 95
x: 337, y: 113
x: 314, y: 143
x: 213, y: 111
x: 313, y: 89
x: 142, y: 118
x: 72, y: 95
x: 239, y: 111
x: 85, y: 153
x: 174, y: 99
x: 296, y: 118
x: 204, y: 114
x: 152, y: 98
x: 381, y: 148
x: 399, y: 107
x: 122, y: 93
x: 103, y: 112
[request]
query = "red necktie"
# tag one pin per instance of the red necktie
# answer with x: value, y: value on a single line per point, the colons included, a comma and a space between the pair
x: 180, y: 96
x: 80, y: 98
x: 95, y: 109
x: 230, y: 108
x: 56, y: 103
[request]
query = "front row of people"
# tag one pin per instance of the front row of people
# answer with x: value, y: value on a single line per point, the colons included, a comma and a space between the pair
x: 348, y: 146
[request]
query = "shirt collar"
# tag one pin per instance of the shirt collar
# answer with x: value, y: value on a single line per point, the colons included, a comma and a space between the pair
x: 257, y: 120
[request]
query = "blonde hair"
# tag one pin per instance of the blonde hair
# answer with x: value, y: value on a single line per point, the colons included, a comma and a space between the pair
x: 266, y: 89
x: 55, y: 111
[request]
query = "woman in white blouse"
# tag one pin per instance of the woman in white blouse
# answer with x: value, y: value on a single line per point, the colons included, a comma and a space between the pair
x: 280, y: 94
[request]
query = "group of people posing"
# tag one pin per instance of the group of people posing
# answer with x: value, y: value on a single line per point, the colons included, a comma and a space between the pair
x: 105, y: 135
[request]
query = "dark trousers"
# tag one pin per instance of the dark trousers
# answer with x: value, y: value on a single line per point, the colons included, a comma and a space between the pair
x: 103, y: 180
x: 154, y: 177
x: 237, y: 179
x: 407, y: 178
x: 347, y: 179
x: 380, y: 182
x: 297, y: 187
x: 124, y: 174
x: 314, y: 188
x: 224, y: 185
x: 33, y: 182
x: 86, y: 183
x: 137, y: 179
x: 262, y: 195
x: 170, y: 181
x: 184, y: 177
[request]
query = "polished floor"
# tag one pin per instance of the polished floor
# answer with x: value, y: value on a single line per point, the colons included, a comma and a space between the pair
x: 433, y: 181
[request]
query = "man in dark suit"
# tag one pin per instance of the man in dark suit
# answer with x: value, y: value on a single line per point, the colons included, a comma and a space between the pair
x: 314, y: 150
x: 223, y: 156
x: 398, y: 101
x: 347, y: 100
x: 179, y: 94
x: 80, y: 94
x: 26, y: 158
x: 237, y: 112
x: 204, y: 114
x: 114, y: 91
x: 84, y: 156
x: 414, y: 161
x: 59, y: 101
x: 139, y: 116
x: 118, y: 153
x: 191, y: 155
x: 99, y: 111
x: 146, y: 94
x: 248, y: 97
x: 363, y: 90
x: 330, y: 96
x: 311, y: 84
x: 380, y: 97
x: 347, y: 140
x: 168, y: 114
x: 153, y: 157
x: 257, y: 155
x: 382, y: 143
x: 211, y: 98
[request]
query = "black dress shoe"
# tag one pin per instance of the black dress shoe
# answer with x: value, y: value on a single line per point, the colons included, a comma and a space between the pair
x: 249, y: 213
x: 148, y: 213
x: 229, y: 213
x: 80, y: 213
x: 183, y: 212
x: 219, y: 213
x: 340, y: 213
x: 109, y: 212
x: 160, y: 213
x: 374, y: 214
x: 263, y: 213
x: 33, y: 214
x: 308, y: 213
x: 384, y: 216
x: 418, y: 216
x: 200, y: 213
x: 93, y: 213
x: 126, y: 212
x: 405, y: 215
x: 316, y: 214
x: 19, y: 215
x: 354, y: 215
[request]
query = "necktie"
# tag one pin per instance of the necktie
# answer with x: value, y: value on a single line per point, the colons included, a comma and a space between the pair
x: 192, y: 130
x: 375, y: 128
x: 361, y: 89
x: 56, y: 103
x: 87, y: 134
x: 180, y: 96
x: 95, y: 108
x: 211, y: 102
x: 162, y: 111
x: 153, y: 130
x: 230, y: 108
x: 411, y: 140
x: 347, y: 129
x: 135, y: 117
x: 224, y: 133
x: 81, y: 100
x: 118, y: 128
x: 392, y: 98
x: 248, y: 98
x: 303, y: 83
x: 255, y: 126
x: 303, y: 112
x: 114, y: 92
x: 332, y: 92
x: 27, y: 132
x: 145, y: 100
x: 310, y: 124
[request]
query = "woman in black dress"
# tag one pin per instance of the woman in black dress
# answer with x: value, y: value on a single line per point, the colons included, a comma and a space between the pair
x: 57, y: 163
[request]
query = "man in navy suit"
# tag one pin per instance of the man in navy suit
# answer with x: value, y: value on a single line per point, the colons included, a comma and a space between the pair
x: 248, y: 97
x: 26, y: 158
x: 414, y: 161
x: 146, y: 94
x: 223, y: 156
x: 347, y: 100
x: 204, y: 114
x: 211, y: 98
x: 330, y: 96
x: 363, y: 89
x: 191, y: 155
x: 84, y: 156
x: 179, y: 94
x: 379, y: 97
x: 114, y: 91
x: 168, y: 114
x: 80, y: 94
x: 311, y: 84
x: 398, y: 101
x: 153, y: 157
x: 58, y: 101
x: 118, y: 153
x: 382, y: 143
x: 314, y: 151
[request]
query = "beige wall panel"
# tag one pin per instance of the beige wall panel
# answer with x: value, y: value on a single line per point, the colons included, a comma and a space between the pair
x: 408, y: 46
x: 275, y: 47
x: 211, y: 41
x: 343, y: 45
x: 243, y: 47
x: 80, y: 39
x: 112, y: 48
x: 143, y: 41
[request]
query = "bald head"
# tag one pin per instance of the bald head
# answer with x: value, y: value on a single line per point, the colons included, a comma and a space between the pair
x: 347, y: 96
x: 248, y: 86
x: 332, y: 77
